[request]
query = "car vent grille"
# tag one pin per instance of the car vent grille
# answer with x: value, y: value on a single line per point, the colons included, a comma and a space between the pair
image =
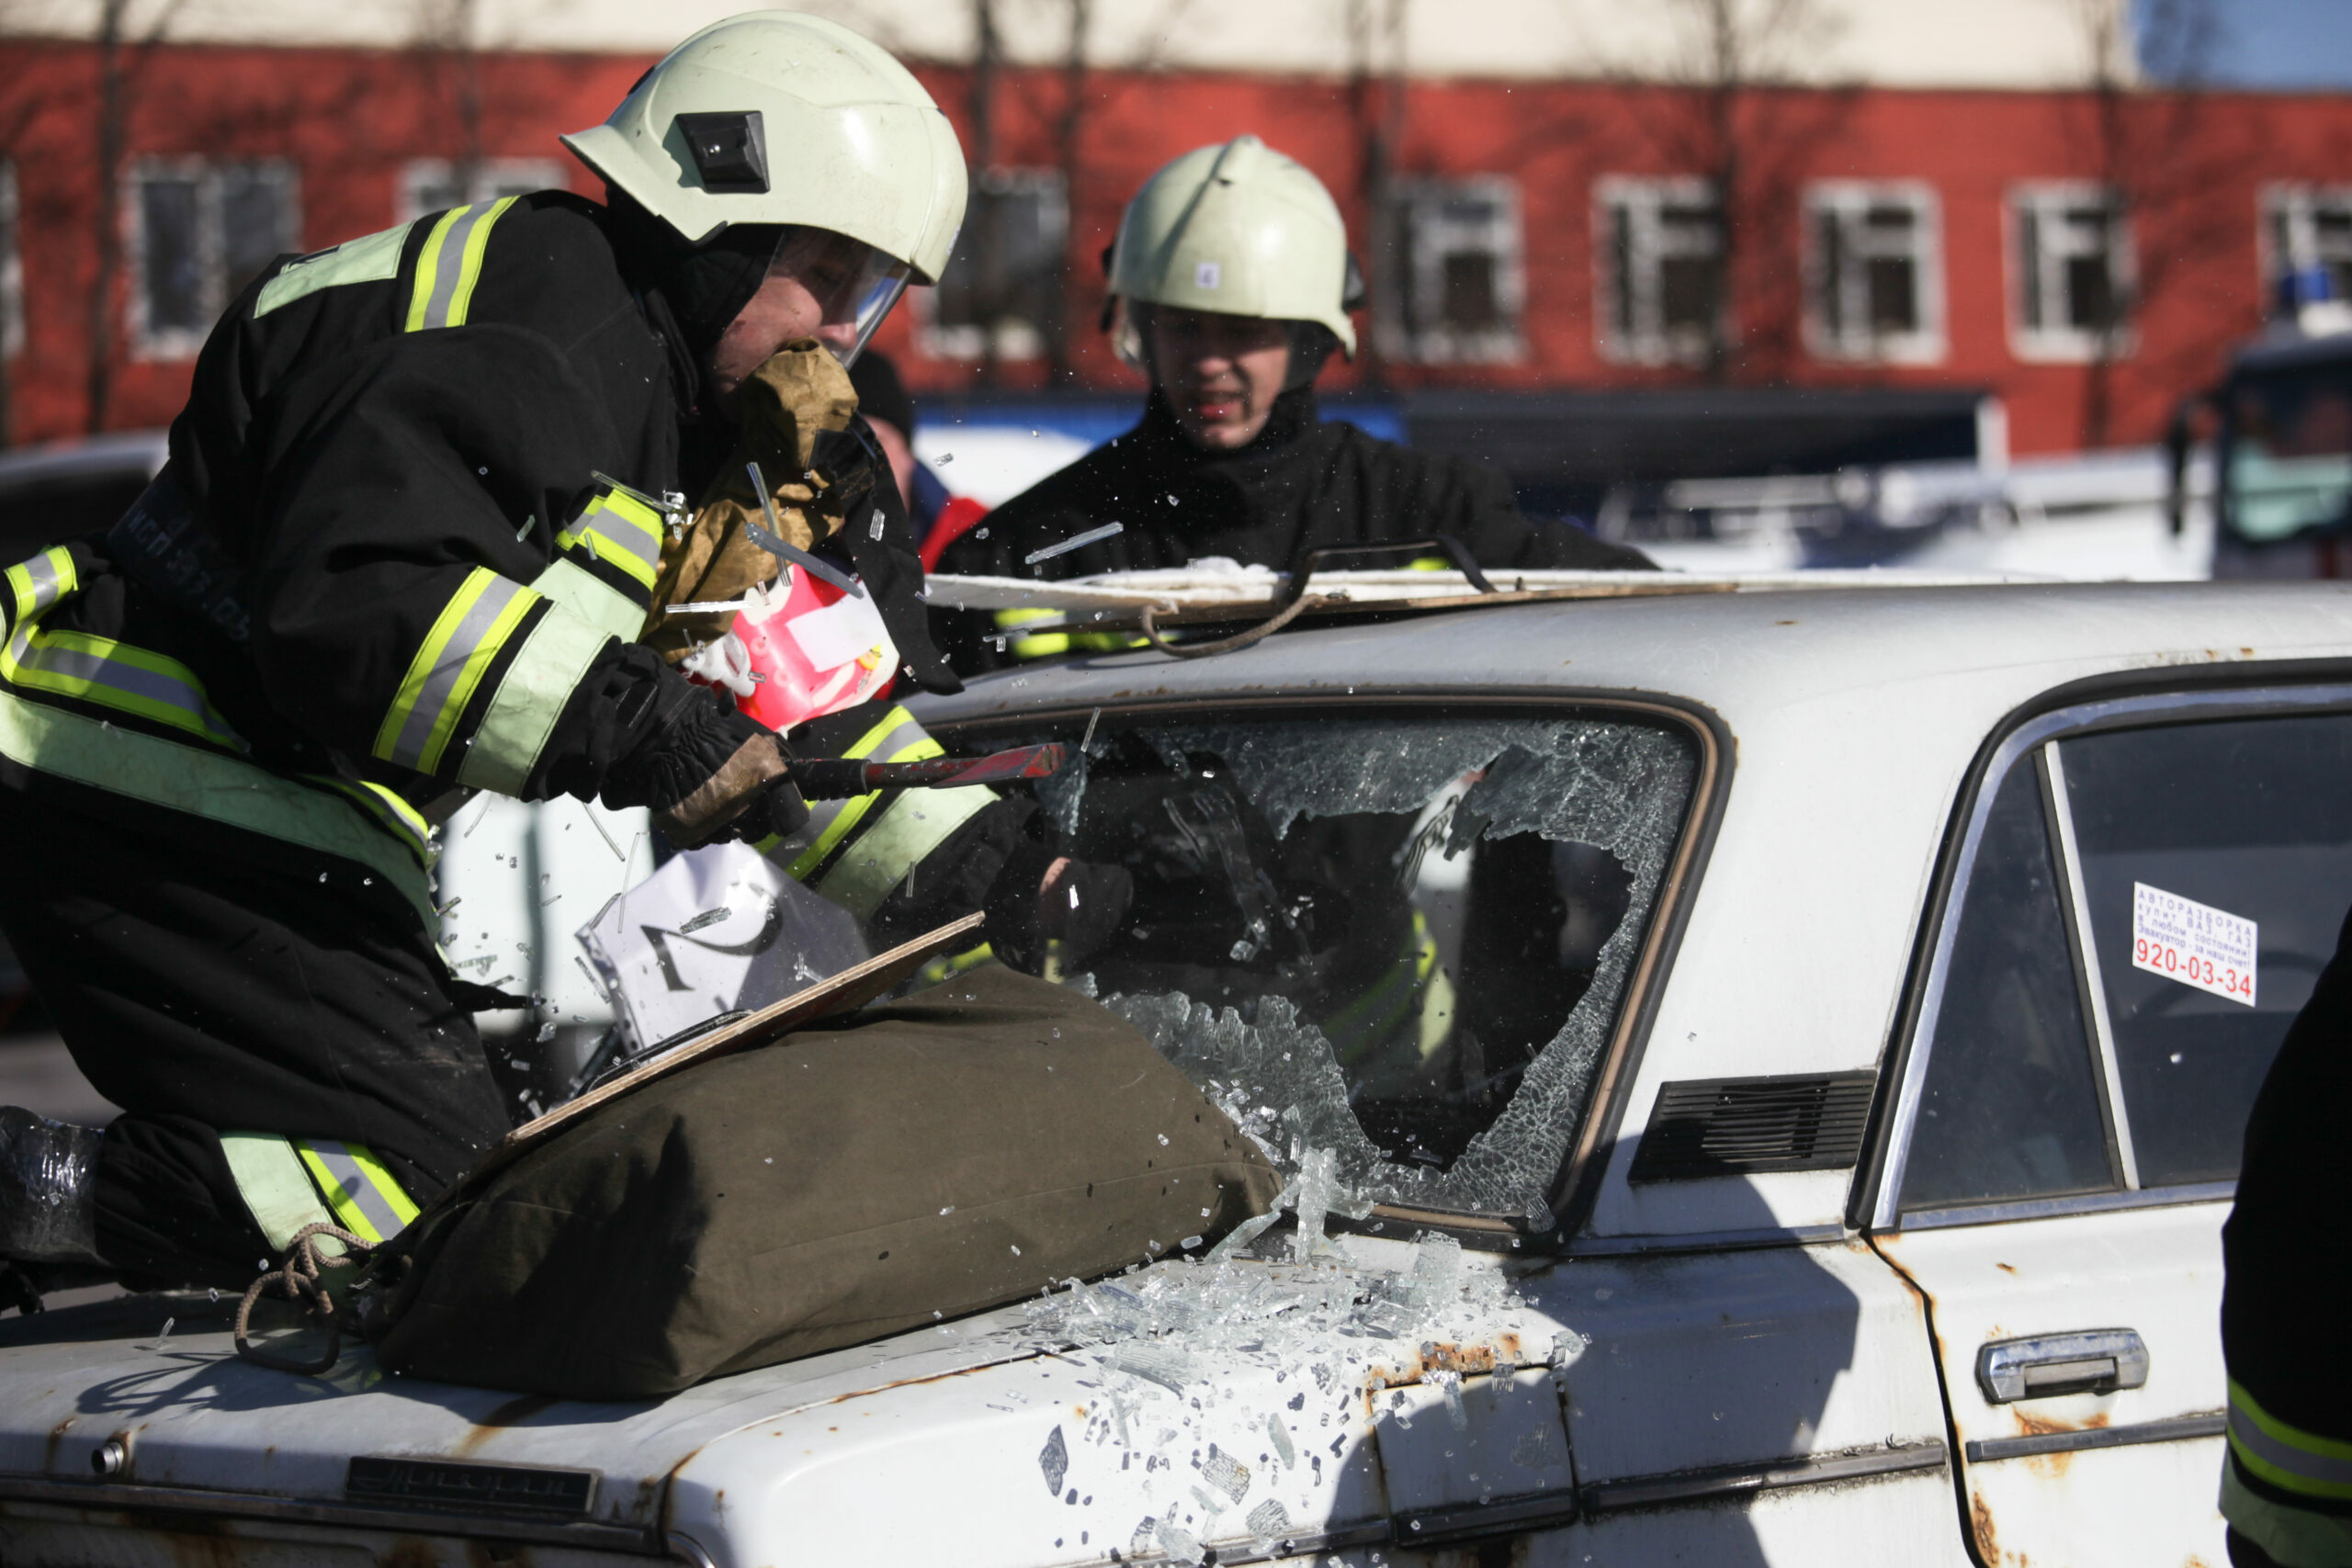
x: 1727, y: 1126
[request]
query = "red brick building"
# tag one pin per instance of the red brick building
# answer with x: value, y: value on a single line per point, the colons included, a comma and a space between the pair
x: 2085, y: 252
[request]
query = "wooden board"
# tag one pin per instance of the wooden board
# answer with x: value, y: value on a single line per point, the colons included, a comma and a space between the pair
x: 851, y: 988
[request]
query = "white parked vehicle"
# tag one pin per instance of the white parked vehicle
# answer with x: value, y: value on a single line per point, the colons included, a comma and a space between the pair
x: 1760, y: 1076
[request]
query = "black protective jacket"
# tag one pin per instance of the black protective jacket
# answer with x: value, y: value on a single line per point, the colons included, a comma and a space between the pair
x: 1303, y: 484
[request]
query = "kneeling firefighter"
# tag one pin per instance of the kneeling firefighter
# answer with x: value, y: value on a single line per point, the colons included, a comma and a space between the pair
x: 404, y: 549
x: 1230, y: 287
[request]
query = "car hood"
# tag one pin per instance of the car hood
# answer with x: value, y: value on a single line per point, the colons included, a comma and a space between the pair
x: 1239, y: 1418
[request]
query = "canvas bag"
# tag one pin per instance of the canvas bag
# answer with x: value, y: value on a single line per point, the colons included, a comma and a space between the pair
x: 870, y: 1173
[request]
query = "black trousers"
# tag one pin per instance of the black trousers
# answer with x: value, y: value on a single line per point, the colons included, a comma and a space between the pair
x: 209, y: 979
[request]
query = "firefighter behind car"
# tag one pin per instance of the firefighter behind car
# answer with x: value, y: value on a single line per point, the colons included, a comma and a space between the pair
x: 428, y: 486
x: 1230, y: 287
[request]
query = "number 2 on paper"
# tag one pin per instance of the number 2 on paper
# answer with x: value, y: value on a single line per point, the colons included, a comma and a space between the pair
x: 2193, y: 943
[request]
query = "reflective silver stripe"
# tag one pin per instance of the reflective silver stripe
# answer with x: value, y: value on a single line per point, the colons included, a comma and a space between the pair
x: 790, y: 847
x: 448, y: 670
x: 2284, y: 1464
x: 358, y: 1189
x: 612, y: 530
x: 450, y: 264
x: 48, y: 583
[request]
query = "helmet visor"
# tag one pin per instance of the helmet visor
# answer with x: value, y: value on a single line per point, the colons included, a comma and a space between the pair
x: 854, y: 284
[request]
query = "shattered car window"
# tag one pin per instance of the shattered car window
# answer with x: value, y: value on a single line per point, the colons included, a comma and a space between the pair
x: 1393, y: 948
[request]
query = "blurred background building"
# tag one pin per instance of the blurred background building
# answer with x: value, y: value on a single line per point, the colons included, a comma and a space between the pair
x: 1606, y: 242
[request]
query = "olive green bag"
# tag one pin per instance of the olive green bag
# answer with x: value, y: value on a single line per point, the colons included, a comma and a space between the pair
x: 872, y: 1172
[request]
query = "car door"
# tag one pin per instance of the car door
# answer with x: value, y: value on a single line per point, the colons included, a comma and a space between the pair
x: 2144, y: 893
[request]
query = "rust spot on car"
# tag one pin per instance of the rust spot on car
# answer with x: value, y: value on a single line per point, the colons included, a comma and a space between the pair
x: 513, y: 1413
x: 649, y: 1498
x: 2032, y: 1426
x: 918, y: 1382
x: 1980, y: 1519
x: 496, y: 1554
x: 2006, y: 1268
x: 408, y: 1551
x: 56, y: 1436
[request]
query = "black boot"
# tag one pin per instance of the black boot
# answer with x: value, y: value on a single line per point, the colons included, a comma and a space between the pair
x: 49, y: 1211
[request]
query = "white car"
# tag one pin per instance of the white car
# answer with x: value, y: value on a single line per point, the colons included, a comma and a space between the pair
x: 1759, y: 1074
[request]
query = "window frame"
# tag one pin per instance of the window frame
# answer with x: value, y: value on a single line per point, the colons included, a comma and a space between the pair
x: 150, y: 344
x: 2067, y: 344
x: 1849, y: 201
x: 492, y: 177
x: 2087, y: 708
x: 1653, y: 343
x: 2293, y: 204
x: 1416, y: 243
x: 968, y: 340
x: 12, y: 264
x: 1584, y: 1165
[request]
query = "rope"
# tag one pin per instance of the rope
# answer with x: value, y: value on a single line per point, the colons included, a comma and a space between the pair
x: 1263, y: 629
x: 298, y: 1280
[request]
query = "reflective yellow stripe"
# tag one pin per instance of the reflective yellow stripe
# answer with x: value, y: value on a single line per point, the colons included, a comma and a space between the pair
x: 209, y: 783
x: 43, y: 581
x: 114, y: 674
x: 2284, y: 1455
x: 825, y: 830
x: 896, y: 841
x: 451, y: 265
x: 472, y: 626
x: 621, y: 530
x: 1373, y: 1017
x: 397, y: 816
x: 592, y: 598
x: 365, y: 1198
x: 531, y: 696
x: 1031, y: 645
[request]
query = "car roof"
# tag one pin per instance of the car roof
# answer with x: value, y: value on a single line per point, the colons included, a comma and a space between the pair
x: 1743, y: 654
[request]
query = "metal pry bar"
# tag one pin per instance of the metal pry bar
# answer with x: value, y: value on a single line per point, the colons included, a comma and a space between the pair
x: 772, y: 540
x: 831, y: 778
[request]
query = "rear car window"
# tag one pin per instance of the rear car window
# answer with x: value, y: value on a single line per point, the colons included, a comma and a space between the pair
x: 1394, y: 947
x: 2145, y: 909
x: 2204, y: 830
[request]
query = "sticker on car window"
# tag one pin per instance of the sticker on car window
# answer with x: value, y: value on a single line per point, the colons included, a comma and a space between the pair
x: 2193, y: 943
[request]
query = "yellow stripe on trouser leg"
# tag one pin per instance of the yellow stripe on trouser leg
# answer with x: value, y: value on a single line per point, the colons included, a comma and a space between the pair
x: 1031, y: 645
x: 366, y: 1199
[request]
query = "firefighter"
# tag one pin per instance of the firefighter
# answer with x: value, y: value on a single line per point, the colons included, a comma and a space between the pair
x: 1230, y: 285
x: 403, y: 551
x: 2287, y: 1478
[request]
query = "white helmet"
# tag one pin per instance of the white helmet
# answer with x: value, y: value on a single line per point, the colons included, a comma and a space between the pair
x: 778, y: 118
x: 1238, y: 228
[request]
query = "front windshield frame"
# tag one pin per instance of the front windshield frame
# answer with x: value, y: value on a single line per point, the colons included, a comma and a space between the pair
x: 1576, y: 1184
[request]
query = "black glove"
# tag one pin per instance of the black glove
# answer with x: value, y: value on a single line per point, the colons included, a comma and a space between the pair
x: 708, y: 770
x: 1042, y: 895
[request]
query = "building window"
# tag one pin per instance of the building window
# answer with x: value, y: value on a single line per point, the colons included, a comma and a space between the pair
x: 12, y: 268
x: 200, y: 232
x: 1001, y: 293
x: 433, y: 185
x: 1662, y: 256
x: 2308, y: 229
x: 1874, y: 281
x: 2071, y: 246
x: 1454, y: 285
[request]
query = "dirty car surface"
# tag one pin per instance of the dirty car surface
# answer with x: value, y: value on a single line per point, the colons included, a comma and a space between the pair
x: 1729, y: 1108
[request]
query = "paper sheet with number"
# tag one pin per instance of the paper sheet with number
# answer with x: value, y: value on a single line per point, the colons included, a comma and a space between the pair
x: 714, y: 929
x: 2193, y: 943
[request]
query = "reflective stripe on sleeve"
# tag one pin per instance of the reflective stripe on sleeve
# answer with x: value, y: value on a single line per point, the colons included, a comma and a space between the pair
x: 621, y: 530
x: 364, y: 1196
x: 117, y: 675
x: 593, y: 599
x: 397, y: 816
x: 38, y: 583
x: 854, y: 853
x: 2286, y: 1456
x: 530, y: 697
x: 276, y: 1186
x: 472, y: 628
x: 451, y: 265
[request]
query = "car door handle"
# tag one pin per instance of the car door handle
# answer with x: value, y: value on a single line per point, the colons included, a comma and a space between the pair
x: 2093, y: 1360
